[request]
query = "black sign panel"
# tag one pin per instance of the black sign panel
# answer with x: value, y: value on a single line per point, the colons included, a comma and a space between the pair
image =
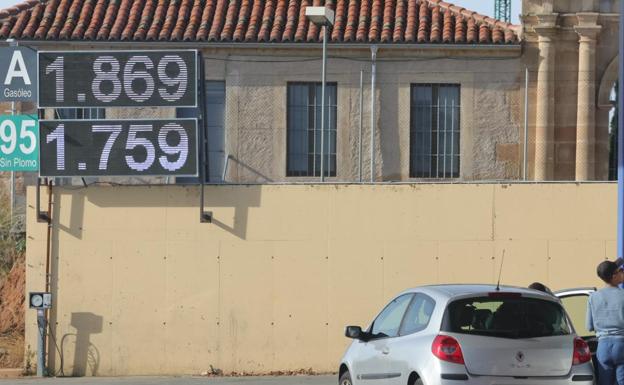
x: 118, y: 79
x: 118, y: 147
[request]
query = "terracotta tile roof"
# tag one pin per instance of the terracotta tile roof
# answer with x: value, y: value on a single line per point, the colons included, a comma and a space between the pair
x: 273, y: 21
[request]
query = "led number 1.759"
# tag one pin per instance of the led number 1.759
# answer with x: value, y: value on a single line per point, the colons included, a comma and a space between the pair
x: 159, y: 147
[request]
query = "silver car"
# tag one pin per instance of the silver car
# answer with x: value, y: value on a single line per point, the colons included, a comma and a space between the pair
x: 468, y: 334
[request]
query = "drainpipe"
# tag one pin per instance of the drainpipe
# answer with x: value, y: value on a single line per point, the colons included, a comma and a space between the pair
x: 372, y: 137
x: 526, y: 123
x: 360, y: 136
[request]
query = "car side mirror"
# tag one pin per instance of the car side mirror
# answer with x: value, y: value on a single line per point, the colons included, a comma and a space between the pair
x: 354, y: 332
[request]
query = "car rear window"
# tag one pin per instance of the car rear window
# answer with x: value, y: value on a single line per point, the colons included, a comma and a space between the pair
x: 516, y: 317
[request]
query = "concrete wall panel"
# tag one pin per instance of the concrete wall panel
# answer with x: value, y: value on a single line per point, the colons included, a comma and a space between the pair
x: 142, y: 287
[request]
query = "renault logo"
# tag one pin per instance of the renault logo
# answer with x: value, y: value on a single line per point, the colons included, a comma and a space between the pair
x: 520, y: 356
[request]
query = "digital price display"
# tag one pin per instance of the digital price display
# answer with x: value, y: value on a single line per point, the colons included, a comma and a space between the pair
x: 117, y: 78
x: 118, y: 147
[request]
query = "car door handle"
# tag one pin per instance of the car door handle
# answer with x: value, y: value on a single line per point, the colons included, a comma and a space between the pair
x: 385, y: 350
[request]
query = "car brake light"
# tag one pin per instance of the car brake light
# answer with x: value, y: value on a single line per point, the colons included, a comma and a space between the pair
x: 503, y: 294
x: 447, y: 348
x: 581, y: 352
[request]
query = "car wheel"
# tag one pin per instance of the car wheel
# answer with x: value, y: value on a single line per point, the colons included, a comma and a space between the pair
x: 345, y: 379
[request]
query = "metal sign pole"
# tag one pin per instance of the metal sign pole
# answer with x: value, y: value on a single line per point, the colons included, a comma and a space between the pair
x: 12, y: 176
x: 204, y: 216
x: 41, y: 325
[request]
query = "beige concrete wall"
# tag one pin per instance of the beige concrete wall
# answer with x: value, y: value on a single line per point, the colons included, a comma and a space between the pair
x: 141, y: 287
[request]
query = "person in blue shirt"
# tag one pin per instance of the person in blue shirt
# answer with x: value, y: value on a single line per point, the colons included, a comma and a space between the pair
x: 605, y: 316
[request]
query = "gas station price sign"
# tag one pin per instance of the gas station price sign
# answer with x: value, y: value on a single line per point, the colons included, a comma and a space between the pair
x: 117, y: 78
x: 161, y: 147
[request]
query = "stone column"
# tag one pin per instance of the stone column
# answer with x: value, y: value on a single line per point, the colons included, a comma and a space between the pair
x: 545, y: 116
x: 586, y: 111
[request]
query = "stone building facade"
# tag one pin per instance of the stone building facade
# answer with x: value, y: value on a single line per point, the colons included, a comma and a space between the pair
x: 258, y: 51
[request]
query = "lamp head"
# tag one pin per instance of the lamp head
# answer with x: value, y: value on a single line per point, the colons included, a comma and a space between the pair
x: 320, y: 15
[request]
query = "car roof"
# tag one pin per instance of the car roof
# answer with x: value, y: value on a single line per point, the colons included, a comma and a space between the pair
x: 450, y: 291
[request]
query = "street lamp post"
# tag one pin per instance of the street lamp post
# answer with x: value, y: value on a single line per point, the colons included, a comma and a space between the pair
x: 620, y: 138
x: 322, y: 16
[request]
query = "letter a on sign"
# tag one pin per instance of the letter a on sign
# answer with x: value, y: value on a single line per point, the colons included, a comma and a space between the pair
x: 17, y: 68
x: 18, y: 74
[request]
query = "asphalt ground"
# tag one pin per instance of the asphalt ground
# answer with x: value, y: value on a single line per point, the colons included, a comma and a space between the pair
x: 256, y: 380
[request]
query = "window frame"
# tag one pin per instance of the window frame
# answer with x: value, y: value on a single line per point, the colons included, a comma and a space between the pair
x: 311, y: 173
x: 372, y: 325
x: 179, y: 111
x: 414, y: 298
x: 435, y: 174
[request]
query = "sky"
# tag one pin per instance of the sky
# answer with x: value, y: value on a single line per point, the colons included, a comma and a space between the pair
x: 485, y: 7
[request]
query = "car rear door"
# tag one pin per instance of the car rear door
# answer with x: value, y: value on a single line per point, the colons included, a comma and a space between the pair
x: 574, y: 302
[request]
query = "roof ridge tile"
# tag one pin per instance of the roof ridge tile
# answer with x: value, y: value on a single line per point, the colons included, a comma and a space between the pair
x: 121, y: 19
x: 383, y: 21
x: 313, y: 29
x: 302, y: 24
x: 47, y: 18
x: 96, y: 19
x: 243, y: 20
x: 291, y: 21
x: 107, y: 24
x: 73, y: 15
x: 217, y: 21
x: 170, y: 20
x: 83, y: 17
x: 229, y: 25
x: 256, y: 17
x: 147, y: 16
x: 133, y: 19
x: 206, y: 20
x: 35, y: 18
x: 278, y: 21
x: 193, y: 21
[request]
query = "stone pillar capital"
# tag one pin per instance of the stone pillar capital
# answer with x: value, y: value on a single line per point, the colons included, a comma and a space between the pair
x: 547, y: 27
x: 587, y: 27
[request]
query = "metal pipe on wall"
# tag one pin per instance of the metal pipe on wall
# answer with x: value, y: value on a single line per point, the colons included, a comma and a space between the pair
x: 12, y: 177
x: 526, y: 123
x: 372, y: 137
x: 323, y: 102
x: 360, y: 136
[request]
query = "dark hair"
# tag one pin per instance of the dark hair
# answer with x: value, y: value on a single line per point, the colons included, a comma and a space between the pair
x: 538, y: 286
x: 605, y: 270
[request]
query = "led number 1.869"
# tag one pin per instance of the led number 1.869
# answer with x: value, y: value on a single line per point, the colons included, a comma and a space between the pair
x: 92, y: 79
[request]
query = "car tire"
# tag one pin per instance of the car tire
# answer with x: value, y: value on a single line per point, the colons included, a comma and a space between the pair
x: 345, y: 379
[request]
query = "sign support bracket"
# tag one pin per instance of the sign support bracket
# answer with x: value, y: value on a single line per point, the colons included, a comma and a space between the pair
x: 204, y: 216
x: 42, y: 216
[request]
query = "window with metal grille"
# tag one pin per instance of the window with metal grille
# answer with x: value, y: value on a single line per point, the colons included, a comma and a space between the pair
x: 304, y: 130
x: 215, y: 131
x: 434, y: 130
x: 80, y: 113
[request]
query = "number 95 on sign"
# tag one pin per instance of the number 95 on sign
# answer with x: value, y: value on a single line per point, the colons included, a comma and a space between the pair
x: 18, y: 143
x: 118, y: 147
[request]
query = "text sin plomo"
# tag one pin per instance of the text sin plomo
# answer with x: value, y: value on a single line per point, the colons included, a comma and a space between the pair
x: 18, y: 162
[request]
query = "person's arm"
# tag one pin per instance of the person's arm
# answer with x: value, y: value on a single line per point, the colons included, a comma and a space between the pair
x: 589, y: 320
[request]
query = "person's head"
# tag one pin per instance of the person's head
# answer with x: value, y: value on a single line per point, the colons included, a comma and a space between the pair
x: 610, y: 273
x: 538, y: 286
x: 541, y: 287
